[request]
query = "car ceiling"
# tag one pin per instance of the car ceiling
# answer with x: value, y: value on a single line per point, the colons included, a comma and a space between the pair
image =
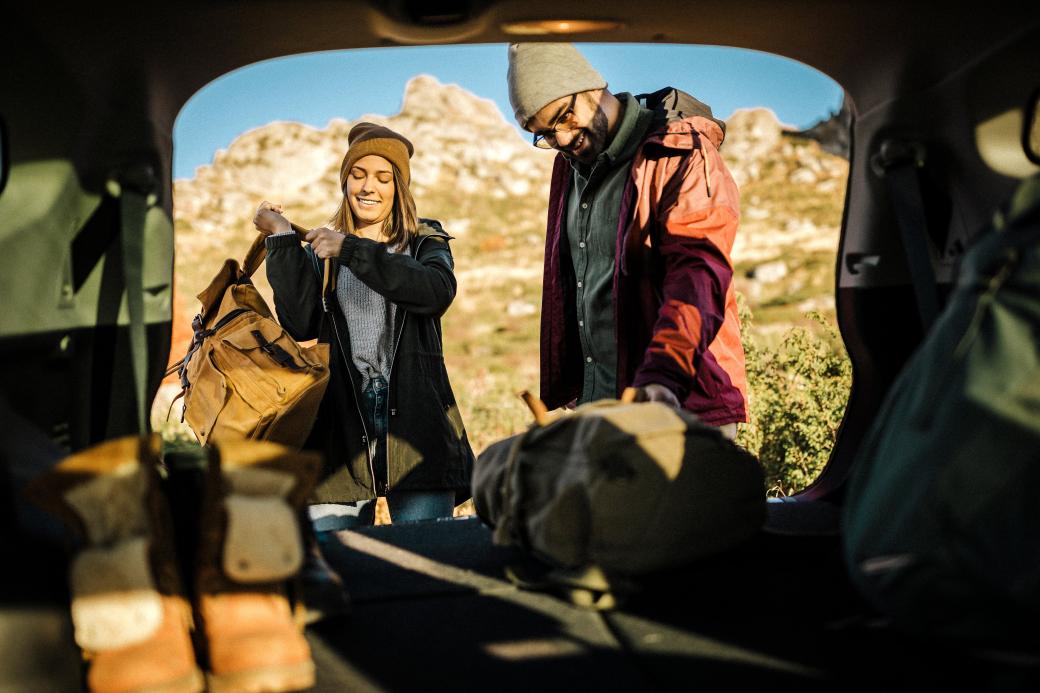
x: 182, y: 46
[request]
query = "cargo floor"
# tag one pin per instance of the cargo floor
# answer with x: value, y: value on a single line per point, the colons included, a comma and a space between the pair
x: 432, y: 609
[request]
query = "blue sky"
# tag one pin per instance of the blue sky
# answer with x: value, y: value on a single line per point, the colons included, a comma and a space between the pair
x: 316, y: 87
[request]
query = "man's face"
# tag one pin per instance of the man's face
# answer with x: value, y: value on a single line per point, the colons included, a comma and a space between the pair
x: 574, y: 125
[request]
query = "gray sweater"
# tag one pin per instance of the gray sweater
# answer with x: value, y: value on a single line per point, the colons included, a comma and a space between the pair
x: 370, y: 317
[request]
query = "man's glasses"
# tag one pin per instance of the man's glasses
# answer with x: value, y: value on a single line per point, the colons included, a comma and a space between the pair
x: 565, y: 122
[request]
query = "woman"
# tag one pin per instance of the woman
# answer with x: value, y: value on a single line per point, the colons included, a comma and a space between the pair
x: 388, y: 425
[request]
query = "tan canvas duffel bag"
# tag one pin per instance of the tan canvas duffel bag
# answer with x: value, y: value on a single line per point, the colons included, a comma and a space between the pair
x: 243, y: 375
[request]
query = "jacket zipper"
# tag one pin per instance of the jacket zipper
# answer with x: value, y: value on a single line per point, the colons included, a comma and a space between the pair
x: 389, y: 374
x: 393, y: 355
x: 353, y: 393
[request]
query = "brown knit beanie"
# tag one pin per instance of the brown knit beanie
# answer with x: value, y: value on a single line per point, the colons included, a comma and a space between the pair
x: 369, y: 138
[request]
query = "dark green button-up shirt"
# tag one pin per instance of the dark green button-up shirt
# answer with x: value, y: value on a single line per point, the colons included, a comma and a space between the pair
x: 593, y: 206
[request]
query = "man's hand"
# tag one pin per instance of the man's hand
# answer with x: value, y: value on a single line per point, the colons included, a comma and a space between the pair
x: 325, y: 242
x: 269, y: 220
x: 653, y: 392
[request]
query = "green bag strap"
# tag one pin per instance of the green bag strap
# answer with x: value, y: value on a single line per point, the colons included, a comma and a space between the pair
x: 135, y: 188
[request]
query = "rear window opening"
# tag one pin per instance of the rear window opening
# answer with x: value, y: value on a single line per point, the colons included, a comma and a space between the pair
x: 253, y: 134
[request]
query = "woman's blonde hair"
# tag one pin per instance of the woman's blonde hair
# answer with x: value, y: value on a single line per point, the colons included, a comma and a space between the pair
x: 399, y: 226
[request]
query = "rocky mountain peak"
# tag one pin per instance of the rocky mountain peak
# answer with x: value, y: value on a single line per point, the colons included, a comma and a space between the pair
x: 427, y: 99
x: 752, y: 132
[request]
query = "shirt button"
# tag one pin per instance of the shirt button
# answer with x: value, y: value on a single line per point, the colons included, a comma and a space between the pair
x: 581, y: 244
x: 579, y: 285
x: 588, y: 359
x: 584, y: 205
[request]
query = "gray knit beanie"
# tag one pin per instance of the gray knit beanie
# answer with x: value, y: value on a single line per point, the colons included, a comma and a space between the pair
x: 540, y: 73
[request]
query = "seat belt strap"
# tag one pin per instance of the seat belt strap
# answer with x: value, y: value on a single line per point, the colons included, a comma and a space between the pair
x: 135, y: 190
x: 897, y: 162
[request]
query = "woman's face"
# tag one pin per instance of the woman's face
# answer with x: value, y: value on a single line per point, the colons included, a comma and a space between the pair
x: 370, y: 189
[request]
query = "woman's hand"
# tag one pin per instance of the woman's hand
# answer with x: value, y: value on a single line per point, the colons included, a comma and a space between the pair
x: 325, y: 242
x: 269, y: 220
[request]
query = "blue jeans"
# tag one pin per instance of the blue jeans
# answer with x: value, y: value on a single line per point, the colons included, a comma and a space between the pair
x: 374, y: 398
x: 405, y: 506
x: 374, y: 403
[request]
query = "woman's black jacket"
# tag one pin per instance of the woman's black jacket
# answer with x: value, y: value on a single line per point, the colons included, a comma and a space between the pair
x: 427, y: 446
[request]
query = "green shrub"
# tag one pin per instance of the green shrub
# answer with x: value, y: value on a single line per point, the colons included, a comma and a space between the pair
x: 797, y: 396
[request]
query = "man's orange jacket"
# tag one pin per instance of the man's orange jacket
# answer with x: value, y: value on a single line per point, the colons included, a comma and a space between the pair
x: 675, y: 312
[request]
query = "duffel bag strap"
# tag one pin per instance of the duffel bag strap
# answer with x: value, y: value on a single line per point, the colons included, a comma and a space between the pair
x: 541, y: 413
x: 537, y: 407
x: 257, y: 252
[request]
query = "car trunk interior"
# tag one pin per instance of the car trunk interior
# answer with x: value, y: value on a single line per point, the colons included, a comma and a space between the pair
x: 98, y: 90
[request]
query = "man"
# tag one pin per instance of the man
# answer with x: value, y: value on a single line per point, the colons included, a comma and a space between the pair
x: 642, y: 217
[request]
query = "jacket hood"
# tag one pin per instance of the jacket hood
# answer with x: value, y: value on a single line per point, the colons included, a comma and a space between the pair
x: 431, y: 227
x: 679, y: 133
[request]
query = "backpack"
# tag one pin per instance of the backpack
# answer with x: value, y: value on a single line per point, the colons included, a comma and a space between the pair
x: 673, y: 104
x: 243, y: 375
x: 625, y: 487
x: 942, y: 519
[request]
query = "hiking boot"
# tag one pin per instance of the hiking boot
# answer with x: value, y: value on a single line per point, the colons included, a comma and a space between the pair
x: 129, y: 613
x: 250, y: 547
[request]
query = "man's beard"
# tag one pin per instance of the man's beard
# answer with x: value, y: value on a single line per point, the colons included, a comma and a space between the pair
x: 595, y: 134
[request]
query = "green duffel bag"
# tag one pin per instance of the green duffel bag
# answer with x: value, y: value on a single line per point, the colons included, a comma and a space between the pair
x: 942, y: 516
x: 626, y: 487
